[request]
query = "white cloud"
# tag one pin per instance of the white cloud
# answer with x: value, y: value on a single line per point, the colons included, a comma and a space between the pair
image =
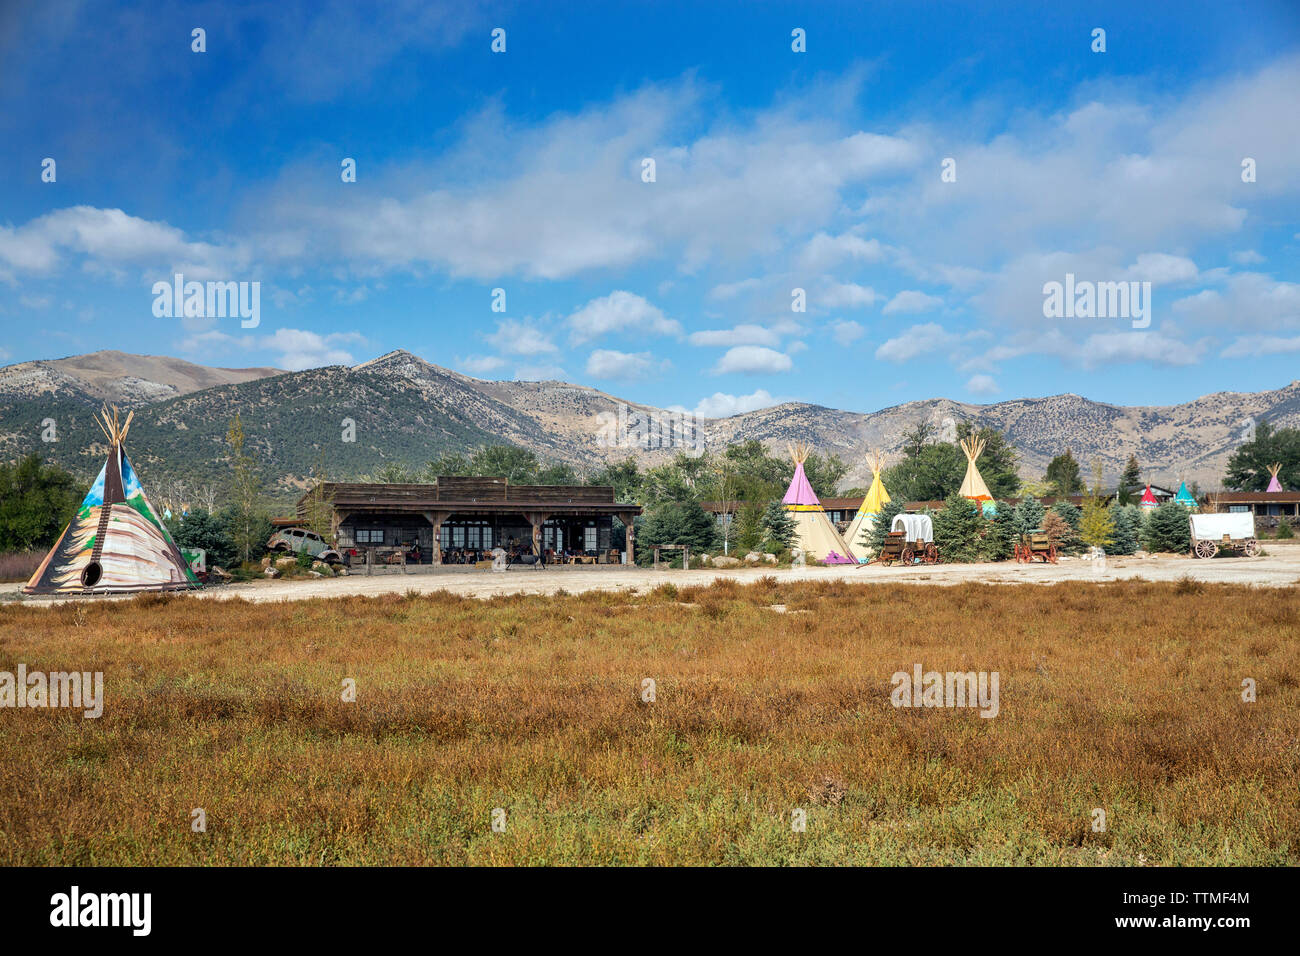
x: 1249, y: 300
x: 1261, y: 346
x: 619, y: 312
x: 1160, y: 348
x: 1160, y: 268
x: 846, y: 295
x: 910, y: 301
x: 300, y: 349
x: 108, y: 238
x: 748, y: 359
x: 824, y: 251
x: 480, y: 365
x: 520, y: 337
x: 607, y: 363
x: 982, y: 385
x: 723, y: 405
x: 846, y: 332
x: 1247, y: 257
x: 916, y: 341
x: 539, y: 373
x: 744, y: 334
x: 729, y: 290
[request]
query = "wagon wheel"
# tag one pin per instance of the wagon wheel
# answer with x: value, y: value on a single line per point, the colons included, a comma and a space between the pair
x: 1252, y: 547
x: 1051, y: 554
x: 1020, y: 553
x: 1206, y: 548
x: 909, y: 556
x: 931, y: 554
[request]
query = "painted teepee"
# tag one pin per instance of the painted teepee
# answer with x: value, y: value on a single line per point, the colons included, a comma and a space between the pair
x: 876, y: 499
x: 1184, y: 497
x: 972, y: 486
x: 1148, y: 499
x: 115, y: 542
x: 814, y: 532
x: 1274, y: 484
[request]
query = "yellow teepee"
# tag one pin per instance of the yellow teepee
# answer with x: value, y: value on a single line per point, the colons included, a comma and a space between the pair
x: 876, y: 499
x: 972, y: 486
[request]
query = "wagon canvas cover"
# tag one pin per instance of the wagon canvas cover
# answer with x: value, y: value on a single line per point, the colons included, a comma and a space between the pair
x: 1238, y: 525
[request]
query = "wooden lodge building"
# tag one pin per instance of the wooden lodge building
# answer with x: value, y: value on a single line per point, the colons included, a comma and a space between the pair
x: 459, y: 516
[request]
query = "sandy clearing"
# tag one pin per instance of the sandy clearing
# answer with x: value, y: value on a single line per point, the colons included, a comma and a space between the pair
x: 1280, y: 567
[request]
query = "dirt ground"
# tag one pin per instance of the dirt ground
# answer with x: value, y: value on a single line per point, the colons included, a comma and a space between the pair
x: 1279, y: 566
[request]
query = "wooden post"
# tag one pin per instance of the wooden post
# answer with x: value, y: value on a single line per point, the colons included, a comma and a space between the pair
x: 537, y: 519
x: 628, y: 523
x: 370, y: 561
x: 686, y: 558
x: 436, y: 518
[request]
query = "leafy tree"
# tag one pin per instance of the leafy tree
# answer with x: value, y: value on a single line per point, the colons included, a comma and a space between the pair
x: 517, y: 465
x: 748, y: 527
x: 200, y: 529
x: 959, y: 528
x: 1248, y: 466
x: 1167, y: 529
x: 623, y: 476
x: 453, y: 464
x: 779, y: 528
x: 246, y: 514
x: 825, y: 472
x: 1063, y: 475
x: 675, y: 522
x: 933, y: 474
x: 319, y: 502
x: 1097, y: 527
x: 1057, y: 529
x: 36, y: 502
x: 556, y: 473
x: 240, y: 528
x: 1028, y: 515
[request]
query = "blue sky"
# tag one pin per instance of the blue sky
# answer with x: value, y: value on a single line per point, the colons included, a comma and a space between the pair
x: 775, y: 171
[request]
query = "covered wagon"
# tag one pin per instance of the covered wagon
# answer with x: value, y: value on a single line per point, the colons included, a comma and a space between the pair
x: 910, y: 539
x: 1234, y: 531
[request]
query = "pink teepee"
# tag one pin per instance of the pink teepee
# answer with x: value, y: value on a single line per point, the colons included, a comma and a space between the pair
x: 1274, y: 484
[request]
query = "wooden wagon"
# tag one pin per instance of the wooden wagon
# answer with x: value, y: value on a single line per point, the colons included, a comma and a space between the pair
x: 1234, y: 531
x: 1035, y: 546
x: 910, y: 540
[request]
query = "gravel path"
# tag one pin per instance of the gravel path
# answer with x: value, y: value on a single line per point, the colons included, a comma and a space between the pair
x: 1279, y: 567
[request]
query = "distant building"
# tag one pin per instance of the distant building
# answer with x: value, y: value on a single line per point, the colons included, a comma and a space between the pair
x: 459, y: 516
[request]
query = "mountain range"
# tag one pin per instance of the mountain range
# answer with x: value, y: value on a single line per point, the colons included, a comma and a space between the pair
x: 404, y: 409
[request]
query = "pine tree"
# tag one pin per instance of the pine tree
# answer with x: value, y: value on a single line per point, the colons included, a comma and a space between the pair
x: 1128, y: 527
x: 779, y: 528
x: 1130, y: 481
x: 874, y: 537
x: 1000, y: 539
x: 1167, y: 529
x: 1028, y: 515
x: 959, y: 528
x: 1063, y: 474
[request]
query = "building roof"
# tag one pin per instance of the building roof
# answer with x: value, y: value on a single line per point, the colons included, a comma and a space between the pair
x: 472, y: 494
x: 1256, y: 497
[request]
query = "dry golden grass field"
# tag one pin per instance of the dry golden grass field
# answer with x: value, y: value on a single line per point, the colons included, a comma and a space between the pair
x: 1125, y: 696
